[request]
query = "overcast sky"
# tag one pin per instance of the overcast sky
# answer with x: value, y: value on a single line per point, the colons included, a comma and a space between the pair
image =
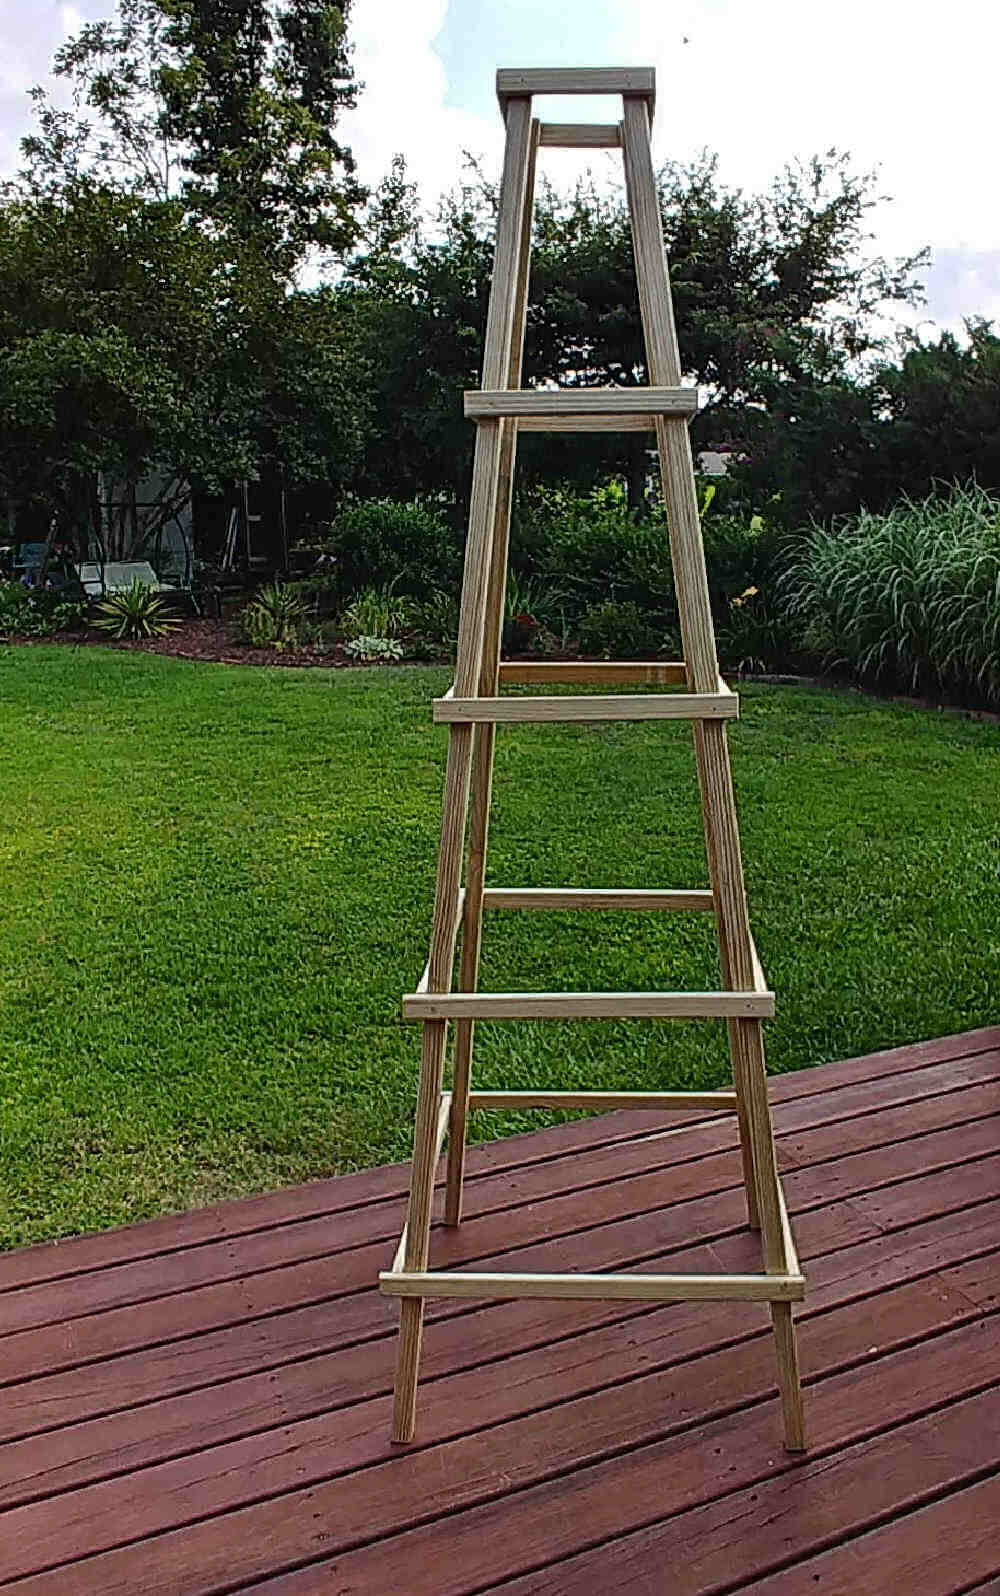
x: 902, y: 84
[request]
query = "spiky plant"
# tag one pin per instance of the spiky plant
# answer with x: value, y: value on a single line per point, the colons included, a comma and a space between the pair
x: 136, y: 612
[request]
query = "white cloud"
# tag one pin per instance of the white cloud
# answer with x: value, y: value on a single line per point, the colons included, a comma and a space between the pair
x: 402, y: 107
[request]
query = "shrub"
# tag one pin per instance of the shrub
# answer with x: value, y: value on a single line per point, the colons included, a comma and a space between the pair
x: 590, y: 549
x: 377, y: 612
x: 373, y: 649
x: 910, y: 598
x: 136, y: 612
x: 381, y: 542
x: 618, y: 631
x: 434, y: 619
x: 29, y: 612
x: 274, y: 618
x: 756, y: 634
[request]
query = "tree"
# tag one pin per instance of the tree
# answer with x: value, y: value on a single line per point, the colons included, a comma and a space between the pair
x: 772, y: 293
x: 127, y: 341
x: 228, y: 105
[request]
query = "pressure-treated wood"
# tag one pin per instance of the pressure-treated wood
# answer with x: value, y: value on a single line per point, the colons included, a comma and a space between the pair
x: 580, y: 135
x: 605, y: 1101
x: 620, y: 673
x: 632, y: 706
x: 472, y: 709
x: 611, y: 898
x: 587, y: 1005
x: 563, y: 403
x: 610, y: 1288
x: 521, y: 141
x: 485, y: 734
x: 513, y: 81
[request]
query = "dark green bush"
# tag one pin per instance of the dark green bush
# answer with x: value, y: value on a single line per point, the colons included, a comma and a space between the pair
x: 37, y: 612
x: 615, y: 630
x: 383, y: 543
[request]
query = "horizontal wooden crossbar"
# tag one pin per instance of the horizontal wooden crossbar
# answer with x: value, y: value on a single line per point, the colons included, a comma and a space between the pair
x: 638, y: 706
x: 544, y: 404
x: 621, y: 1288
x: 574, y: 672
x: 580, y: 135
x: 723, y: 1101
x: 617, y: 673
x: 516, y: 82
x: 592, y: 898
x: 588, y: 1005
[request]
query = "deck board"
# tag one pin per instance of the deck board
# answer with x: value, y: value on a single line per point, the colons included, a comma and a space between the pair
x: 200, y: 1404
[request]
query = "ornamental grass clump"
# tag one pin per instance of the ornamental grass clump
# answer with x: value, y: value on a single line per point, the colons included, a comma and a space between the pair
x: 910, y: 598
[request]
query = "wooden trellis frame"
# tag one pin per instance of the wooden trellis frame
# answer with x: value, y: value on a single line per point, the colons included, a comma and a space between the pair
x: 472, y: 709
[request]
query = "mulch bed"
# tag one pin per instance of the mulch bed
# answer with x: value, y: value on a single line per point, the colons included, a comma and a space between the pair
x: 210, y: 641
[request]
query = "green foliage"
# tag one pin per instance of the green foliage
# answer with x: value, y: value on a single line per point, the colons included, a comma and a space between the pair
x: 375, y: 612
x: 434, y: 619
x: 29, y: 612
x: 219, y: 1013
x: 590, y: 548
x: 757, y: 634
x: 374, y: 650
x: 230, y: 108
x: 274, y: 618
x: 910, y: 598
x: 136, y: 612
x: 618, y: 630
x: 382, y: 542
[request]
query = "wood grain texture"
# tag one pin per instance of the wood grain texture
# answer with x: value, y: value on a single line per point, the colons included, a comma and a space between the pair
x: 605, y: 1101
x: 609, y: 898
x: 567, y: 403
x: 513, y: 81
x: 620, y: 673
x: 587, y: 1006
x: 544, y: 1417
x: 603, y: 1288
x: 580, y: 135
x: 485, y: 735
x: 624, y: 706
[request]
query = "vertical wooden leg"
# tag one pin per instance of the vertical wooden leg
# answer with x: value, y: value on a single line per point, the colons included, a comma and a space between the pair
x: 472, y: 933
x: 789, y: 1380
x: 411, y: 1325
x: 743, y: 1119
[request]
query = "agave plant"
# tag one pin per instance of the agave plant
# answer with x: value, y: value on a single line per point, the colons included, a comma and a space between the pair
x: 274, y: 618
x: 136, y: 612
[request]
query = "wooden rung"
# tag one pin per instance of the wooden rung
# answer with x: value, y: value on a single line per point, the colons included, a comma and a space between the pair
x: 588, y: 1005
x: 592, y: 898
x: 723, y: 1101
x: 599, y: 423
x: 638, y: 706
x: 542, y: 404
x: 516, y: 82
x: 613, y: 1288
x: 620, y: 673
x: 580, y: 135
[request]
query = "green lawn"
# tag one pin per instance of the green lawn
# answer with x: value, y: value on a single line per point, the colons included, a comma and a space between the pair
x: 217, y: 884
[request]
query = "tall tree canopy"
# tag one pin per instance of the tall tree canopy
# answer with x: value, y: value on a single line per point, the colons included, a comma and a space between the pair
x: 228, y: 105
x: 770, y: 291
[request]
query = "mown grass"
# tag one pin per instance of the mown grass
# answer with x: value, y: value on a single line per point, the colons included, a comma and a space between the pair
x: 217, y: 883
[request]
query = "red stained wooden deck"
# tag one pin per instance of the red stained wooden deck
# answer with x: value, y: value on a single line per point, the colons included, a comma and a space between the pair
x: 201, y: 1404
